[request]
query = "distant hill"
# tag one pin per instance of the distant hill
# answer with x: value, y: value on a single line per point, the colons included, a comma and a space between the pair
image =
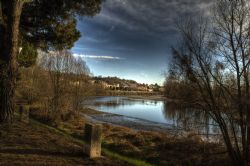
x: 115, y: 83
x: 114, y: 80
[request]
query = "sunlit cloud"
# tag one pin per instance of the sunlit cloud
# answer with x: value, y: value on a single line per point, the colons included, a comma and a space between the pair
x: 97, y: 57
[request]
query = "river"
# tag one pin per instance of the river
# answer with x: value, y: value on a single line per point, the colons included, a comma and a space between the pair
x: 158, y: 112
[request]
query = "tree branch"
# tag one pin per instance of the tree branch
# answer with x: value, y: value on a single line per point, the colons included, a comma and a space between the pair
x: 1, y: 13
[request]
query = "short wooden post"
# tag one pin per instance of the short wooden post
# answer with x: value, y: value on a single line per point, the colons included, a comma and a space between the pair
x: 93, y: 139
x: 24, y: 112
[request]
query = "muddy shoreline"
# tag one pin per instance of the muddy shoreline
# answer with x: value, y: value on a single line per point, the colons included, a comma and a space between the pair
x: 136, y: 124
x: 129, y: 122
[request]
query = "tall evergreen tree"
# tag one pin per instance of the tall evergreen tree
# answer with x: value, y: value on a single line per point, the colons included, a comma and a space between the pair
x: 45, y: 24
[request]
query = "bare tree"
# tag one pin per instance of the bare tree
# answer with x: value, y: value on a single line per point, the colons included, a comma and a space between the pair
x: 68, y: 82
x: 80, y: 83
x: 214, y: 58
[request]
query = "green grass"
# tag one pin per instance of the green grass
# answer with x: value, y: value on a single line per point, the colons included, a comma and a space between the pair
x: 125, y: 158
x: 105, y: 151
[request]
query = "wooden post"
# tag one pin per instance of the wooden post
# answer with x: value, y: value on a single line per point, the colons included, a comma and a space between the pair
x: 24, y: 112
x: 92, y: 137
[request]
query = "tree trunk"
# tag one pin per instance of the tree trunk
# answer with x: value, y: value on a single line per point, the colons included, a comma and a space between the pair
x: 8, y: 55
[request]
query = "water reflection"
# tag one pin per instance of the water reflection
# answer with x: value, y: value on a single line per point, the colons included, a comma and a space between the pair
x: 178, y: 115
x: 191, y: 119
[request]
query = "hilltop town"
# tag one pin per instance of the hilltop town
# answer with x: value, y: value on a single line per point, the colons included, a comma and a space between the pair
x: 118, y: 84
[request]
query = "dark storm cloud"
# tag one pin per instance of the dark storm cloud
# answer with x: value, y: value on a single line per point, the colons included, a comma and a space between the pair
x: 126, y: 21
x: 140, y: 31
x: 149, y: 16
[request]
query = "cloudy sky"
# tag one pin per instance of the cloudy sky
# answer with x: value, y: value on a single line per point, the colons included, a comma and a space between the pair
x: 132, y: 38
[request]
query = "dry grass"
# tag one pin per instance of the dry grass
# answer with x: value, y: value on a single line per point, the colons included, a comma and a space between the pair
x: 160, y: 149
x: 155, y: 148
x: 152, y: 147
x: 30, y: 144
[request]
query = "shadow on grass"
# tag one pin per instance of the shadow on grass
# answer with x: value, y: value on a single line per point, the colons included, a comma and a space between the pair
x: 42, y: 152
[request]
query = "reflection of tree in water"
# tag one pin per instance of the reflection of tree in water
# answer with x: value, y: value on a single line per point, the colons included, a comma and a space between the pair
x: 189, y: 118
x: 119, y: 102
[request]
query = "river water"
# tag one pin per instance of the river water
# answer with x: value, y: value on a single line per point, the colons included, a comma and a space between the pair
x: 157, y: 112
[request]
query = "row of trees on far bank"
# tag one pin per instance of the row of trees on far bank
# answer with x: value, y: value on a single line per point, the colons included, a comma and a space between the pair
x: 210, y: 70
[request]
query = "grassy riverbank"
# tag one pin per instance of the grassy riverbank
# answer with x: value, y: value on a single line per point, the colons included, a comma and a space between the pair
x: 39, y: 143
x: 153, y: 147
x: 158, y: 148
x: 161, y: 148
